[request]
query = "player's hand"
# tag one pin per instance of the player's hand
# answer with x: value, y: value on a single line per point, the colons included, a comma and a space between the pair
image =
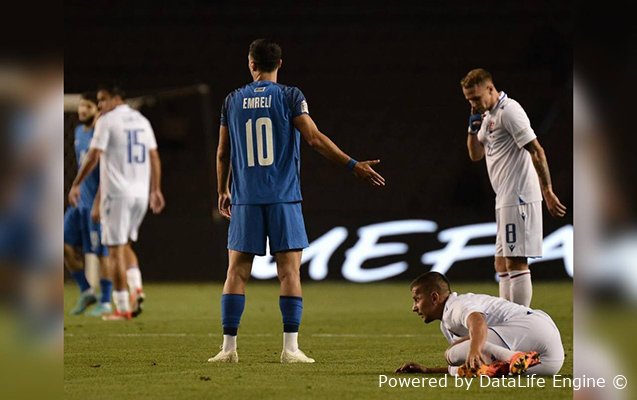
x: 95, y: 212
x: 556, y: 208
x: 74, y: 195
x: 363, y: 170
x: 157, y: 202
x: 474, y: 359
x: 225, y: 209
x: 475, y: 121
x: 411, y: 368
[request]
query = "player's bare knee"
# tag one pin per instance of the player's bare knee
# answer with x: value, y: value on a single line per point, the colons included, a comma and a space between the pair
x: 238, y: 274
x: 73, y: 259
x: 516, y: 263
x: 500, y: 264
x: 288, y: 274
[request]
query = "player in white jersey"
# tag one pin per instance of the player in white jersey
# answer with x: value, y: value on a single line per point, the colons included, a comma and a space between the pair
x: 500, y: 131
x: 130, y: 175
x: 487, y: 335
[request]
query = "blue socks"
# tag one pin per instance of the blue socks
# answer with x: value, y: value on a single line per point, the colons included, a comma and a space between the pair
x: 106, y: 288
x: 291, y: 310
x: 80, y: 278
x: 232, y: 306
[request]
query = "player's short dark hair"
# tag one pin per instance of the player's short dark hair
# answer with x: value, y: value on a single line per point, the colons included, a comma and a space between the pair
x: 90, y: 96
x: 112, y: 88
x: 266, y: 54
x: 431, y: 281
x: 476, y: 76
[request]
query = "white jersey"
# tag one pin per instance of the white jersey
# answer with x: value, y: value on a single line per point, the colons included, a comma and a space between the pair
x: 125, y: 137
x: 505, y: 131
x: 496, y: 311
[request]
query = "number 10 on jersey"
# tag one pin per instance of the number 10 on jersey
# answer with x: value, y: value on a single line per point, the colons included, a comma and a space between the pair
x: 265, y: 149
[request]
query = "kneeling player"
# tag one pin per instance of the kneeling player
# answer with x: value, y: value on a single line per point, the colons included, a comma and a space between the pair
x: 488, y: 335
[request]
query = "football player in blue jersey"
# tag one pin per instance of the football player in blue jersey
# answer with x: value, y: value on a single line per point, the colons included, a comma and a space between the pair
x: 81, y: 233
x: 259, y: 140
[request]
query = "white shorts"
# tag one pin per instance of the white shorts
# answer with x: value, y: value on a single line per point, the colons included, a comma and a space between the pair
x: 519, y: 230
x: 121, y: 218
x: 534, y: 332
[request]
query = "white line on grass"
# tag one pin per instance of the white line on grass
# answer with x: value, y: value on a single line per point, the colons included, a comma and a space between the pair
x: 325, y: 335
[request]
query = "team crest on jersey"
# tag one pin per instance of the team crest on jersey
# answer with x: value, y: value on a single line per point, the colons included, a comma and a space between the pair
x: 259, y: 89
x: 491, y: 126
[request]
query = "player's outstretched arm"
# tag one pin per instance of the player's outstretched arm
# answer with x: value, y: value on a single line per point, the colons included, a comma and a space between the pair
x: 223, y: 173
x: 90, y: 162
x: 157, y: 201
x: 553, y: 204
x: 415, y: 368
x: 328, y: 149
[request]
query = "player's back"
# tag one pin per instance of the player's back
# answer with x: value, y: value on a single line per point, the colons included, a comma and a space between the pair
x: 264, y: 145
x: 125, y: 136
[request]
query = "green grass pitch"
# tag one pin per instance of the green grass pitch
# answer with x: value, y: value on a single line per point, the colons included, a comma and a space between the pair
x: 354, y: 331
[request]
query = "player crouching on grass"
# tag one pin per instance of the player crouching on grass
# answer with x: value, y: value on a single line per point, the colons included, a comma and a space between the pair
x: 488, y: 335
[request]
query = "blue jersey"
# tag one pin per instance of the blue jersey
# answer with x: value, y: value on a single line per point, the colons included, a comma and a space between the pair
x: 88, y: 188
x: 264, y: 145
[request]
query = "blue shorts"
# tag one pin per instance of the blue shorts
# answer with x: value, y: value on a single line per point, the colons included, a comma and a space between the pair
x: 81, y: 231
x: 282, y: 223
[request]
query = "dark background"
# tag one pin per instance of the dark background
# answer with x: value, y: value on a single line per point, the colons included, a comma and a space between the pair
x: 381, y: 80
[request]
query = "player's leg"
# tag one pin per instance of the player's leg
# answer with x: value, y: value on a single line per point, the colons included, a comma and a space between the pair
x: 93, y: 240
x: 116, y: 222
x: 134, y: 279
x: 499, y: 359
x: 520, y: 276
x: 500, y: 263
x: 106, y: 288
x: 286, y: 230
x: 494, y: 350
x: 133, y: 273
x: 233, y: 303
x: 504, y: 280
x: 246, y: 238
x: 521, y: 239
x: 288, y: 265
x: 74, y: 260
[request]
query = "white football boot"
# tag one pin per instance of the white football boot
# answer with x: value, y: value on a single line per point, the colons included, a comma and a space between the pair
x: 225, y: 356
x: 288, y: 357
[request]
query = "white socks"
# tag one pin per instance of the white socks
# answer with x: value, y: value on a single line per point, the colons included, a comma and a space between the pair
x: 134, y: 279
x: 521, y: 287
x: 229, y: 343
x: 505, y: 285
x: 290, y: 341
x: 121, y: 300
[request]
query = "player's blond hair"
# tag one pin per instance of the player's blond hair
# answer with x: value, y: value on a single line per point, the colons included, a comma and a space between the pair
x: 475, y: 77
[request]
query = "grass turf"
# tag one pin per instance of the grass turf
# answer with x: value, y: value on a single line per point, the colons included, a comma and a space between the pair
x: 355, y: 332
